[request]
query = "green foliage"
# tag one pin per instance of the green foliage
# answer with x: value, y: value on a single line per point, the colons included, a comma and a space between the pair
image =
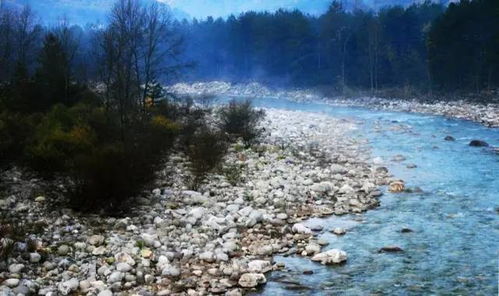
x: 233, y: 173
x: 240, y: 119
x: 107, y: 164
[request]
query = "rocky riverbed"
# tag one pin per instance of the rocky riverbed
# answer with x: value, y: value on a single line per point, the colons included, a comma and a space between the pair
x: 218, y: 239
x: 486, y: 114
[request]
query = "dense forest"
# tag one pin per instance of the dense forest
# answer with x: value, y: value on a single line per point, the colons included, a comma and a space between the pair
x: 425, y: 46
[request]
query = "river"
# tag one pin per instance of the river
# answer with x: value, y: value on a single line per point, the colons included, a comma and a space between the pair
x: 453, y: 246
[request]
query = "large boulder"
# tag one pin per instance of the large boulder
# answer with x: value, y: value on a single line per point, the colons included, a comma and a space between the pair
x: 334, y: 256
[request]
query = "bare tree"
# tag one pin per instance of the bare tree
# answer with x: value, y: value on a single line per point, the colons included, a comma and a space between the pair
x: 6, y: 42
x: 27, y: 34
x: 138, y: 48
x: 70, y: 42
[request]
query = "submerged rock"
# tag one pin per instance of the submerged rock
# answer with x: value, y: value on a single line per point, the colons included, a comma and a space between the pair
x: 449, y: 138
x: 479, y: 143
x: 390, y: 249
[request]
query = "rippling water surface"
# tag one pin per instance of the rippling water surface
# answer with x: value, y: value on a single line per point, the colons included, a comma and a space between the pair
x: 453, y: 249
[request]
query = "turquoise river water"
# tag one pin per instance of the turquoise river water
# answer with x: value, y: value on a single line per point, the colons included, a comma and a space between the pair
x: 453, y: 249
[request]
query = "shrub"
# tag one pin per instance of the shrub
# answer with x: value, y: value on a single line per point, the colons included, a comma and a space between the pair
x: 240, y: 119
x: 234, y: 173
x: 206, y: 152
x: 107, y: 164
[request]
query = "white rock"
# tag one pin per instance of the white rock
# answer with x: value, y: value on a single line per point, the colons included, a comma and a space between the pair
x: 312, y: 249
x: 282, y: 216
x: 170, y: 270
x: 259, y: 266
x: 11, y: 283
x: 334, y: 256
x: 34, y: 257
x: 345, y: 189
x: 322, y: 187
x: 68, y: 286
x: 149, y: 239
x: 124, y: 258
x: 99, y: 251
x: 339, y: 231
x: 158, y: 220
x: 300, y: 228
x: 251, y: 280
x: 105, y: 293
x: 115, y: 277
x: 96, y: 240
x: 207, y: 256
x: 16, y: 268
x: 123, y: 267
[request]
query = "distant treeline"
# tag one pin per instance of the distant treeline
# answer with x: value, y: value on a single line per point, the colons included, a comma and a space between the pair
x: 425, y: 46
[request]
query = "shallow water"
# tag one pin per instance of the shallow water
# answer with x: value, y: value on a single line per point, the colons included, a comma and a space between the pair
x: 453, y: 249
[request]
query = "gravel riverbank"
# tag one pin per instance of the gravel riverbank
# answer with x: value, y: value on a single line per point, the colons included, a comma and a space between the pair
x: 486, y: 114
x: 218, y: 239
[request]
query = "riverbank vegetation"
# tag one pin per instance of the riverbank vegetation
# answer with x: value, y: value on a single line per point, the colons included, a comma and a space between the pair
x: 104, y: 140
x: 87, y: 103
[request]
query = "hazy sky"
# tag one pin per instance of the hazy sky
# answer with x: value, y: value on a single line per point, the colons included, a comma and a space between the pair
x: 203, y: 8
x: 83, y: 11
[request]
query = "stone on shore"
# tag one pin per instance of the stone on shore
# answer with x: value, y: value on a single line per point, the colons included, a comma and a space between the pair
x: 300, y: 228
x: 251, y: 280
x: 334, y: 256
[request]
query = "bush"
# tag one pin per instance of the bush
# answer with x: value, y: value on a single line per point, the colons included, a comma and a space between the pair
x: 206, y: 152
x: 240, y: 119
x: 107, y: 164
